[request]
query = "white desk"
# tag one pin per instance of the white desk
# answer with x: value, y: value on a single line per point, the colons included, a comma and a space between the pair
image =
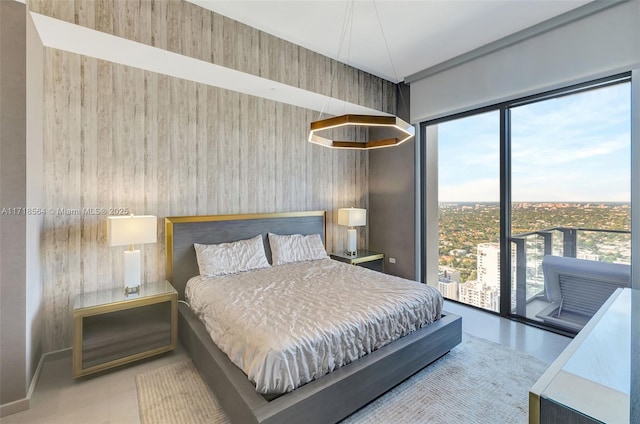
x: 591, y: 380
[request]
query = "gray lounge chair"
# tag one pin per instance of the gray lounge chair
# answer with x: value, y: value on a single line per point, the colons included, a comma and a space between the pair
x: 577, y: 288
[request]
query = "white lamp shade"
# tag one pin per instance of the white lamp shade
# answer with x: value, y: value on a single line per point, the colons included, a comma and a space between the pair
x: 132, y: 229
x: 352, y: 217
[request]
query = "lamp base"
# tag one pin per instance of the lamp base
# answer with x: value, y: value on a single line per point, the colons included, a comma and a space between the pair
x: 352, y: 242
x: 131, y: 271
x: 353, y: 254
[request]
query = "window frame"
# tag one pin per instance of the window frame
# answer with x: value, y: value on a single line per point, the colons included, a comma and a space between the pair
x: 504, y: 109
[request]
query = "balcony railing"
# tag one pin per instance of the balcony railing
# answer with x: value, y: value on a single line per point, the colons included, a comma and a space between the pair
x: 530, y: 248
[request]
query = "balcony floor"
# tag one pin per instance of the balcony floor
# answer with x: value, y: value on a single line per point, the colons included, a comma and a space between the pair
x: 542, y: 344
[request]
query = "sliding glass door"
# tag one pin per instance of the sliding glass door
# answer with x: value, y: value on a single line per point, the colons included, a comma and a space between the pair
x: 548, y: 175
x: 469, y: 210
x: 571, y: 189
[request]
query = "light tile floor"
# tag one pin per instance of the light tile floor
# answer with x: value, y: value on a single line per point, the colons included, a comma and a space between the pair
x: 111, y: 397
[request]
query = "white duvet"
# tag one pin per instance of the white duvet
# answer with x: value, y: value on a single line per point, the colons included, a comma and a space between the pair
x: 287, y: 325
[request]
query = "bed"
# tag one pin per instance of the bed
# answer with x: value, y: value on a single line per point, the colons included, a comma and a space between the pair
x: 328, y: 398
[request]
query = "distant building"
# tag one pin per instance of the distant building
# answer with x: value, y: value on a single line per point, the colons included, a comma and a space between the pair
x: 448, y: 273
x: 448, y: 281
x: 448, y: 289
x: 477, y: 294
x: 488, y: 265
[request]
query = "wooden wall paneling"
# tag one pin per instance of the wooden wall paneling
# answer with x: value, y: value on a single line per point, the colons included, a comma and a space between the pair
x: 232, y: 137
x: 251, y: 46
x: 118, y: 168
x: 202, y: 37
x: 133, y: 21
x: 154, y: 254
x: 285, y: 159
x: 298, y: 141
x: 183, y: 145
x: 61, y: 9
x: 292, y: 64
x: 190, y: 143
x: 138, y: 138
x: 291, y: 122
x: 163, y: 129
x: 188, y: 26
x: 158, y: 21
x: 123, y: 137
x: 90, y: 223
x: 86, y: 14
x: 159, y: 98
x: 137, y: 161
x: 103, y: 86
x: 223, y: 158
x: 202, y: 148
x: 264, y: 54
x: 217, y: 38
x: 144, y: 22
x: 248, y: 164
x: 304, y: 70
x: 61, y: 247
x: 269, y: 148
x: 173, y: 26
x: 279, y: 151
x: 213, y: 176
x: 229, y: 48
x: 103, y: 17
x: 230, y: 144
x: 51, y: 246
x: 72, y: 192
x: 311, y: 189
x: 178, y: 161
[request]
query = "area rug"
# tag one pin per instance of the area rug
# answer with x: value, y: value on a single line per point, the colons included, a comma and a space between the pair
x: 477, y: 382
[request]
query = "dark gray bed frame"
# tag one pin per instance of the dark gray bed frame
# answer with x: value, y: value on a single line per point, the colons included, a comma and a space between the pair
x: 325, y: 400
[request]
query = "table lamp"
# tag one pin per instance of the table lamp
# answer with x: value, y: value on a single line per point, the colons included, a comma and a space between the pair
x: 131, y: 230
x: 352, y: 217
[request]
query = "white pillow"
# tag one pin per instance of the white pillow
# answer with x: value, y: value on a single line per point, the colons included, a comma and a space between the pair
x: 296, y: 248
x: 231, y: 258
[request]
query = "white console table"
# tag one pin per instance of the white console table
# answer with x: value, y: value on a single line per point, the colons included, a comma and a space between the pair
x: 590, y: 382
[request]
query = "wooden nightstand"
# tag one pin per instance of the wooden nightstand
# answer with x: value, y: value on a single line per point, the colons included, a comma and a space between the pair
x: 111, y: 328
x: 364, y: 258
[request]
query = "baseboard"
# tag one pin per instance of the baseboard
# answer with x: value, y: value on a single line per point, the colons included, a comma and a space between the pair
x: 23, y: 404
x: 14, y: 407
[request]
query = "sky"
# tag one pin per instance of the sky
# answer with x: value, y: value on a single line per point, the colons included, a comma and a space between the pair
x: 571, y: 149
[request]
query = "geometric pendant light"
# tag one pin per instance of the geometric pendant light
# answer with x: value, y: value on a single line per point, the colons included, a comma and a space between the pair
x: 360, y: 132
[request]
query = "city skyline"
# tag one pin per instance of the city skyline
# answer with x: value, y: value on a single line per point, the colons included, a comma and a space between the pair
x: 570, y: 149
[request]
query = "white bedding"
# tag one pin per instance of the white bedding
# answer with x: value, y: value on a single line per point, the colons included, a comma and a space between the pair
x: 287, y: 325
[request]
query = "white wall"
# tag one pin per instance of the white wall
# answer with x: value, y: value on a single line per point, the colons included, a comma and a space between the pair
x: 597, y: 45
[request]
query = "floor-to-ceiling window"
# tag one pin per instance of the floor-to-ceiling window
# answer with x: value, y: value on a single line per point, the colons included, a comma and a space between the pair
x: 570, y: 185
x: 545, y: 175
x: 469, y: 210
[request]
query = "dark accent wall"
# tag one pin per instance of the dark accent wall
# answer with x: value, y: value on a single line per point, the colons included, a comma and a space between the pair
x: 392, y: 200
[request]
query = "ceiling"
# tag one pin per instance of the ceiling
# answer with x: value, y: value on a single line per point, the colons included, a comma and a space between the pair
x: 419, y: 33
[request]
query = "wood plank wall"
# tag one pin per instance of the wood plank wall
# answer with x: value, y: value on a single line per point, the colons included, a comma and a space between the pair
x: 121, y: 137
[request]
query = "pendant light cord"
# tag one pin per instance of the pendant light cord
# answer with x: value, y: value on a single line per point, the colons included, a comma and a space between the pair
x: 386, y: 45
x: 347, y: 24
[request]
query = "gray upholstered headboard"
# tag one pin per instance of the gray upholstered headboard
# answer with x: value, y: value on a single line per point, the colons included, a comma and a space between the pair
x: 182, y: 232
